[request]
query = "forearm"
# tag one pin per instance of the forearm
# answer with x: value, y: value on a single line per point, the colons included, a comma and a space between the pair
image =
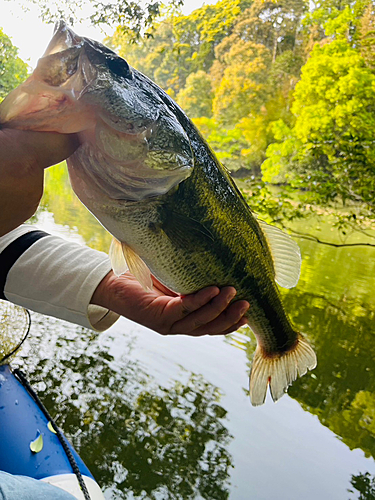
x: 23, y: 157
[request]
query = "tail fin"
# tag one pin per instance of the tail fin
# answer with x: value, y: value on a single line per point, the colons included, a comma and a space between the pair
x: 279, y: 370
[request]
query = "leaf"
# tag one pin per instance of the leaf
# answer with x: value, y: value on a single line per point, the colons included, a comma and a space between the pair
x: 37, y: 445
x: 50, y: 427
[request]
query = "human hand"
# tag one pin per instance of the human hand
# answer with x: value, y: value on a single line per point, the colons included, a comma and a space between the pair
x: 23, y: 157
x: 206, y: 312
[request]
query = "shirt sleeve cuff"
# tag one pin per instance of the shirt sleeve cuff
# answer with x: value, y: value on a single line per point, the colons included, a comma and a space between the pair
x: 58, y: 278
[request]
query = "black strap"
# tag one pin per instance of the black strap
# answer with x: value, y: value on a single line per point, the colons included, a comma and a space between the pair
x: 13, y: 251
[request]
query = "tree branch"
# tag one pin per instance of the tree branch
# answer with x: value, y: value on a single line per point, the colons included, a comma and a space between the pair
x: 328, y: 243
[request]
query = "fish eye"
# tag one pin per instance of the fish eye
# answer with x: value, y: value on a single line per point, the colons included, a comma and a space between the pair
x: 119, y: 67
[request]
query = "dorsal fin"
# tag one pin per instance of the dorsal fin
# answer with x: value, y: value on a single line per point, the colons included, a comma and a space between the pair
x: 285, y: 253
x: 137, y: 267
x: 117, y: 258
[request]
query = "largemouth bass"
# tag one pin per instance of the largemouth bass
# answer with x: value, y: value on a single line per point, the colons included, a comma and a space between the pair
x: 149, y: 177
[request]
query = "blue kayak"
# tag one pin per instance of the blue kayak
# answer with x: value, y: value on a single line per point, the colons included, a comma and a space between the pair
x: 29, y: 445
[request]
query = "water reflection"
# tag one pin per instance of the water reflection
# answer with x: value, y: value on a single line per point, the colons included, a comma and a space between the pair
x: 137, y: 437
x: 342, y: 394
x: 341, y: 390
x: 171, y: 442
x: 66, y: 208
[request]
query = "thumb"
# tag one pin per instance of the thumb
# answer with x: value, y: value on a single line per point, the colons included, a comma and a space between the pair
x: 36, y: 149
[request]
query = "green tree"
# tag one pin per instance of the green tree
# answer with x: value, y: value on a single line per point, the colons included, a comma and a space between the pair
x: 243, y: 56
x: 274, y: 24
x: 12, y: 69
x: 196, y: 97
x: 367, y: 36
x: 365, y: 485
x: 255, y: 72
x: 334, y: 130
x: 227, y: 143
x: 180, y: 45
x: 242, y: 89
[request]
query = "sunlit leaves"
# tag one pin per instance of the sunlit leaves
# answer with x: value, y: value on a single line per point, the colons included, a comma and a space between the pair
x: 196, y: 97
x: 12, y: 69
x: 330, y: 150
x: 242, y: 89
x: 181, y: 45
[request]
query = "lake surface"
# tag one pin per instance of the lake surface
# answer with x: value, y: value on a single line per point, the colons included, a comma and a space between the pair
x: 170, y: 418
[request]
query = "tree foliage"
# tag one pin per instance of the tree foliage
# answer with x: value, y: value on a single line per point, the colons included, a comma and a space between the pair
x: 132, y: 17
x: 196, y: 97
x: 12, y: 69
x: 330, y: 150
x: 282, y: 90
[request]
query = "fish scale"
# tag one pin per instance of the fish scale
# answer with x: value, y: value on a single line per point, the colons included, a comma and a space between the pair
x: 149, y: 177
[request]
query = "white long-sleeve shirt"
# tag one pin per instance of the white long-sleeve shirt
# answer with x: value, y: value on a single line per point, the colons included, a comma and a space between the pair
x: 54, y: 277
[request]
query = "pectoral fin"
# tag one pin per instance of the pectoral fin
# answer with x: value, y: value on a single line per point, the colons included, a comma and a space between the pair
x: 285, y: 253
x: 137, y: 267
x: 123, y: 259
x: 116, y: 255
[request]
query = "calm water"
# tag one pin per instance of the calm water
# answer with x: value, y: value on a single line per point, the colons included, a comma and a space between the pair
x: 169, y: 417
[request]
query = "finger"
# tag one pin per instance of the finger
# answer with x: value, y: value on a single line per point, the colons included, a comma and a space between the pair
x: 180, y: 307
x: 228, y: 321
x: 39, y: 149
x: 208, y: 312
x: 195, y: 301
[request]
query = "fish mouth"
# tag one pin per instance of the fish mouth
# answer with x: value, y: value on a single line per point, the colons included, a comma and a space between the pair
x: 67, y: 88
x: 80, y: 86
x: 63, y: 38
x: 40, y: 107
x: 46, y: 101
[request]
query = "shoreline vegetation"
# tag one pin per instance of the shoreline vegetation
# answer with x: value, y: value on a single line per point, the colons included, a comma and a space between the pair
x: 283, y: 91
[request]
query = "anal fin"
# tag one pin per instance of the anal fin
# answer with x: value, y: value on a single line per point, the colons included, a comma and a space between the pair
x: 279, y: 370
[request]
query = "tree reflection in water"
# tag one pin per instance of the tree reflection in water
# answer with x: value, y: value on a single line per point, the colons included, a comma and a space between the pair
x: 333, y: 305
x: 341, y: 390
x: 139, y: 439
